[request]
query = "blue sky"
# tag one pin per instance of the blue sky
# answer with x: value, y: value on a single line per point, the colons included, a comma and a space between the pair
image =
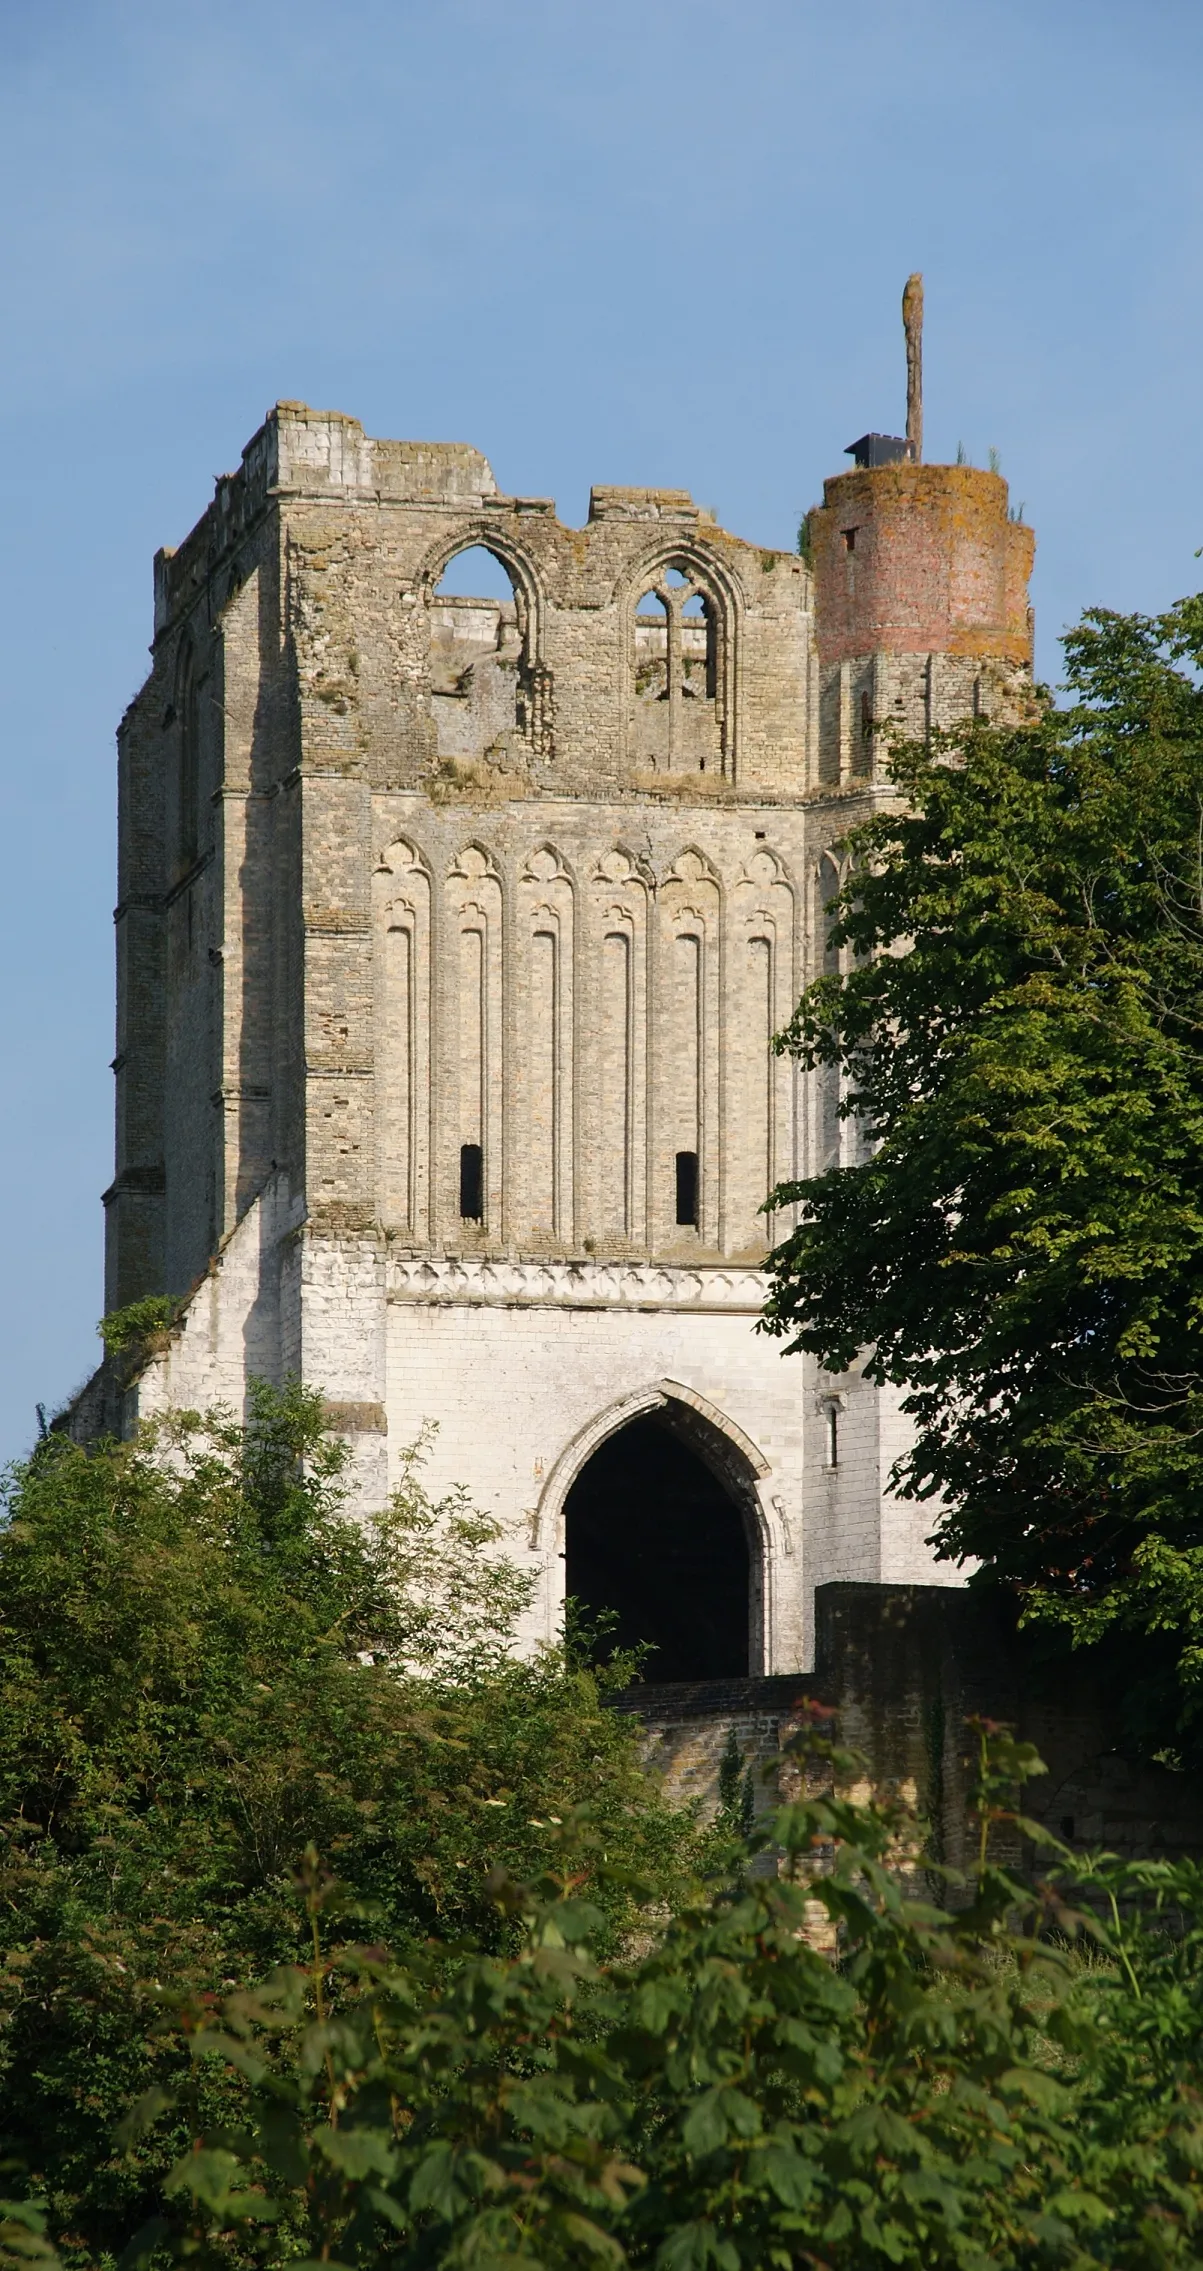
x: 641, y: 243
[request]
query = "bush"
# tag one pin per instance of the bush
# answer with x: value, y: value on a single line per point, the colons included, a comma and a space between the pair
x: 945, y: 2087
x: 141, y: 1327
x: 204, y: 1666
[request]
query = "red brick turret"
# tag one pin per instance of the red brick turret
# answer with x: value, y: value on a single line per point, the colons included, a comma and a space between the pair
x: 921, y: 559
x: 921, y: 606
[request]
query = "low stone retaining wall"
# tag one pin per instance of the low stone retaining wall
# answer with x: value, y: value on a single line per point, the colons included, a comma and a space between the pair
x: 903, y: 1667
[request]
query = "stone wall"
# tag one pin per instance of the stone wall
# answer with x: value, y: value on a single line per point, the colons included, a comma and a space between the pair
x: 903, y: 1667
x: 452, y: 936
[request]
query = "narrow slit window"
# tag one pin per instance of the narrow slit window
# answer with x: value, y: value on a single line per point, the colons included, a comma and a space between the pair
x: 471, y: 1182
x: 832, y: 1416
x: 687, y: 1189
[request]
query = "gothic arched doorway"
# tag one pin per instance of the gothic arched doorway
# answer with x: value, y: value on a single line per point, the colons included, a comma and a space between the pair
x: 652, y: 1533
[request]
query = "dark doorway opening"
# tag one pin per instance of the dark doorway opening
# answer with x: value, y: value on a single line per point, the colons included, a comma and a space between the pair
x: 652, y: 1533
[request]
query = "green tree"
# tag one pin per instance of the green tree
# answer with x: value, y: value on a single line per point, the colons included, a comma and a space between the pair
x: 207, y: 1662
x: 940, y: 2088
x: 1020, y: 1030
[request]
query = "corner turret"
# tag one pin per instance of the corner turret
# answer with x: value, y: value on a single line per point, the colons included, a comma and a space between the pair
x: 921, y: 595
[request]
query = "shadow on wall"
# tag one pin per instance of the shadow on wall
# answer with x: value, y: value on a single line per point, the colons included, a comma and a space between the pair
x: 905, y: 1666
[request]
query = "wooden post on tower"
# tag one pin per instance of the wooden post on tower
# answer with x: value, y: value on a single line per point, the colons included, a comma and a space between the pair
x: 912, y: 324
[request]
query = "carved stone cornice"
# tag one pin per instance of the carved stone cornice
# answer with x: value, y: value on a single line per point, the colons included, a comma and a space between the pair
x: 576, y: 1285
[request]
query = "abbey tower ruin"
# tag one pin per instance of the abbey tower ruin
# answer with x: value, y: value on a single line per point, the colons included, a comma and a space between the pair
x: 452, y: 936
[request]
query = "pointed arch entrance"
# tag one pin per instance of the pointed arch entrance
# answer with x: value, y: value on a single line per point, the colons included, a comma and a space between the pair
x: 662, y: 1526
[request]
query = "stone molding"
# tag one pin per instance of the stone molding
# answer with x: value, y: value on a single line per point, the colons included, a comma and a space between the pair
x: 577, y: 1285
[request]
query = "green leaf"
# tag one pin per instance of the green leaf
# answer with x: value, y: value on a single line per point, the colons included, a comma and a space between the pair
x: 790, y: 2175
x: 215, y: 2179
x: 718, y: 2114
x: 357, y: 2152
x: 696, y: 2246
x: 146, y: 2240
x: 283, y: 2143
x: 144, y: 2113
x: 592, y: 2238
x: 444, y: 2182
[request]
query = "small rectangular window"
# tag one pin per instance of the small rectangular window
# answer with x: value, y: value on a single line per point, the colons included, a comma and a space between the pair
x: 687, y: 1188
x: 471, y: 1182
x: 833, y: 1434
x: 850, y: 540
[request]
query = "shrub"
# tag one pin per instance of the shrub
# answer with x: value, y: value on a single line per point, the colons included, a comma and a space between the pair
x: 948, y: 2087
x: 205, y: 1664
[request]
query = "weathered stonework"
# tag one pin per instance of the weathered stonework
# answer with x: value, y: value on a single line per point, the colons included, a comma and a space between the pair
x: 903, y: 1667
x: 449, y: 928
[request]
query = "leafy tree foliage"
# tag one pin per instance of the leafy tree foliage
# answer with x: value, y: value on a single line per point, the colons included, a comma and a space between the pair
x: 937, y: 2087
x: 1019, y: 1025
x: 205, y: 1664
x: 554, y: 2049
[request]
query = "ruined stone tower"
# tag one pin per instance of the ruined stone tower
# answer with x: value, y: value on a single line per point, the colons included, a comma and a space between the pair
x: 452, y: 934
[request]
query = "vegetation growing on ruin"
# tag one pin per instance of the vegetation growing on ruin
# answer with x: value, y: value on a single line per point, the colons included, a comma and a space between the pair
x: 1020, y: 1032
x: 141, y: 1327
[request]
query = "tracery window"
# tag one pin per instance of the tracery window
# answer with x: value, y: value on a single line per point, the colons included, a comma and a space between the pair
x: 678, y: 708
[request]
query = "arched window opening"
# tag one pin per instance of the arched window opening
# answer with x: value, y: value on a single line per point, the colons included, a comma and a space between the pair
x: 831, y: 1433
x: 676, y: 721
x: 651, y: 649
x: 480, y: 679
x: 476, y: 574
x: 652, y: 1535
